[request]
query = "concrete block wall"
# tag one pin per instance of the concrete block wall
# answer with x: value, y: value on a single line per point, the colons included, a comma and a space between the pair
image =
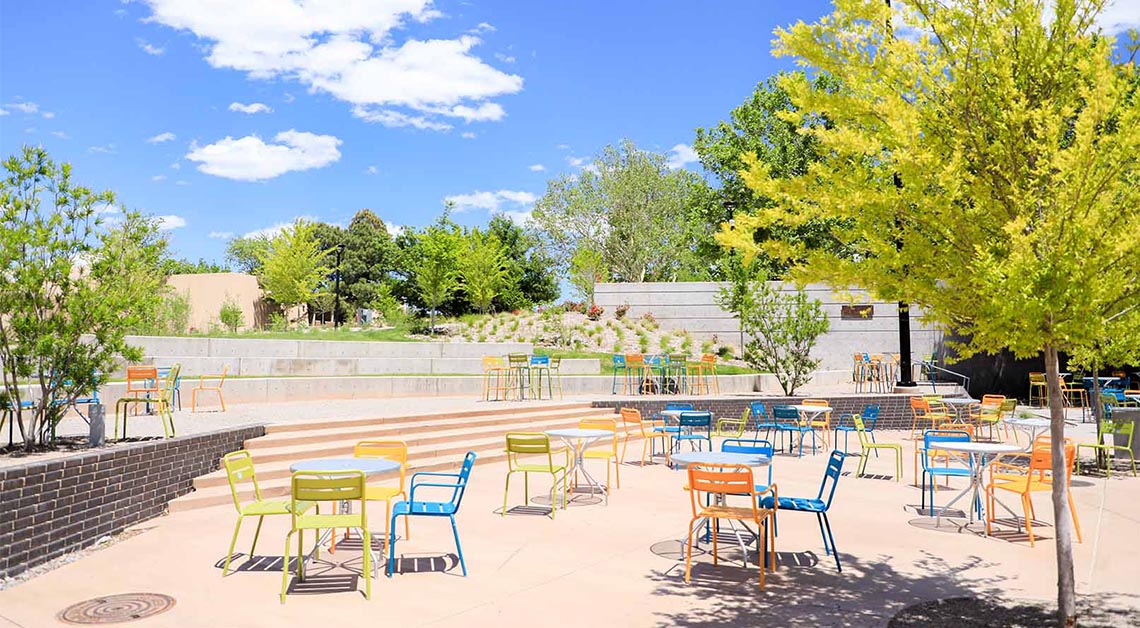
x: 692, y: 306
x: 58, y: 506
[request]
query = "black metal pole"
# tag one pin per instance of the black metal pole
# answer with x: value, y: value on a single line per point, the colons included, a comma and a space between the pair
x: 906, y: 371
x: 336, y: 308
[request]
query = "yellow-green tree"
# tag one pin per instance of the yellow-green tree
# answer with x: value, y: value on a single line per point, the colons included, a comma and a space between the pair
x: 983, y: 164
x: 293, y: 265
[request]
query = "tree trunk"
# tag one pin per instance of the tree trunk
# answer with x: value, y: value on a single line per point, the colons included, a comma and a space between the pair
x: 1062, y: 517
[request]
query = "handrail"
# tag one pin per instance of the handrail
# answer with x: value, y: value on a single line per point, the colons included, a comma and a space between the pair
x: 930, y: 367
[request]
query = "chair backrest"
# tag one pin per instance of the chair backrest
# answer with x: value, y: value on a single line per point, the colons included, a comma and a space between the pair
x: 992, y: 400
x: 919, y: 406
x: 747, y: 446
x: 141, y: 374
x: 708, y: 359
x: 492, y: 362
x: 555, y: 362
x: 759, y: 412
x: 721, y: 479
x: 527, y: 443
x: 784, y: 415
x: 630, y: 416
x: 634, y: 359
x: 674, y: 405
x: 464, y: 476
x: 1007, y: 406
x: 831, y: 478
x: 619, y: 361
x: 540, y: 360
x: 239, y: 470
x: 516, y: 360
x: 394, y: 450
x: 170, y: 383
x: 326, y: 486
x: 678, y: 358
x: 931, y: 438
x: 822, y: 403
x: 609, y: 425
x: 870, y: 415
x: 655, y: 360
x: 695, y: 419
x: 1036, y: 378
x: 222, y: 379
x: 937, y: 407
x: 864, y: 440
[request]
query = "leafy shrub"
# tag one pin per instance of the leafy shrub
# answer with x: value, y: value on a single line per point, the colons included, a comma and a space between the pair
x: 574, y: 306
x: 277, y: 322
x: 595, y: 311
x: 687, y: 343
x: 231, y: 315
x: 725, y: 352
x: 618, y: 347
x: 648, y: 322
x: 621, y: 310
x: 665, y: 344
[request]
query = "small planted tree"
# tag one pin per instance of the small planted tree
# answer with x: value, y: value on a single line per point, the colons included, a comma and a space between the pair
x: 782, y: 328
x: 231, y: 315
x: 587, y: 268
x: 72, y: 286
x: 293, y: 265
x: 484, y: 271
x: 435, y: 264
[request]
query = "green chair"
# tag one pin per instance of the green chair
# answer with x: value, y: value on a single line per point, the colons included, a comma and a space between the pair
x: 868, y: 446
x: 731, y: 428
x: 164, y: 403
x: 1111, y: 427
x: 239, y: 470
x: 556, y: 370
x: 334, y: 487
x: 535, y: 446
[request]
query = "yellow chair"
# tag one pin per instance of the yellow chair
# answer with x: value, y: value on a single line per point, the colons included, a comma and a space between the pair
x: 634, y: 426
x: 239, y: 470
x: 535, y: 445
x: 203, y: 387
x: 868, y: 446
x: 823, y: 424
x: 602, y: 450
x: 495, y: 367
x: 333, y: 487
x: 718, y: 482
x: 396, y: 451
x: 1038, y: 389
x: 1025, y: 481
x: 732, y: 428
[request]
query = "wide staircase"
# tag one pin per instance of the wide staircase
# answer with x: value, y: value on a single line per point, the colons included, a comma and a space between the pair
x: 436, y: 442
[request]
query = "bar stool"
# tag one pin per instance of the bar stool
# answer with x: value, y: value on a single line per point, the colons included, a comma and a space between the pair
x: 518, y: 375
x: 539, y: 365
x: 494, y: 366
x: 637, y: 373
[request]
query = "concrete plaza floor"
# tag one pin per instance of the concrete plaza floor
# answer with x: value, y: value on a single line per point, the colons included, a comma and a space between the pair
x: 613, y: 565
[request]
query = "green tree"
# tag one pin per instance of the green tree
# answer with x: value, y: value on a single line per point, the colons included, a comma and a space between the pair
x: 435, y: 263
x: 171, y: 317
x: 483, y: 271
x: 531, y: 271
x: 73, y: 286
x: 782, y: 327
x: 245, y: 253
x: 231, y: 315
x: 172, y: 266
x: 293, y: 266
x: 586, y: 270
x: 985, y: 169
x: 767, y: 126
x: 367, y: 260
x: 629, y: 206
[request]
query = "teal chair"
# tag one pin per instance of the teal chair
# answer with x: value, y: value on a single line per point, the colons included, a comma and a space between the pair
x: 689, y: 429
x: 787, y: 420
x: 930, y: 451
x: 818, y: 505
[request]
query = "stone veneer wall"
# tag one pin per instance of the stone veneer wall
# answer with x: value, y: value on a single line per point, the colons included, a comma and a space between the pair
x: 57, y: 506
x: 894, y: 410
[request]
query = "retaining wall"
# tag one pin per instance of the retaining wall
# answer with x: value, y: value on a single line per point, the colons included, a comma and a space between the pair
x: 50, y: 508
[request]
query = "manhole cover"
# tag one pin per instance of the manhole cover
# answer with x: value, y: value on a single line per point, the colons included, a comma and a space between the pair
x: 117, y: 609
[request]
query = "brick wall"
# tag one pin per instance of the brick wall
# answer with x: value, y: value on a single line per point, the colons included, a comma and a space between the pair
x: 50, y: 508
x: 894, y: 410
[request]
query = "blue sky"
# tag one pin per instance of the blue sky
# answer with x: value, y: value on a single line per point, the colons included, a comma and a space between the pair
x: 231, y: 117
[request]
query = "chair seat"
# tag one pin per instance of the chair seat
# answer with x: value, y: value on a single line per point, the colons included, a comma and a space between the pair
x: 1019, y: 485
x: 539, y: 468
x: 800, y: 504
x: 666, y: 429
x: 849, y: 428
x: 733, y: 512
x: 381, y: 493
x: 692, y: 437
x: 272, y: 507
x: 894, y: 446
x: 309, y: 522
x: 423, y: 508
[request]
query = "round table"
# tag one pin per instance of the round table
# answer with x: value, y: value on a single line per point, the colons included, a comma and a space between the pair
x: 577, y: 440
x: 980, y: 455
x: 958, y: 403
x: 721, y: 457
x: 370, y: 466
x: 1033, y: 426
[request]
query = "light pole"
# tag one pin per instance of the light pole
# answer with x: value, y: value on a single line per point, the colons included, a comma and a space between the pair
x: 336, y: 308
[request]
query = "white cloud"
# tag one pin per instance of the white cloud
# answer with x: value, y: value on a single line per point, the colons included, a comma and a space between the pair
x: 30, y: 129
x: 158, y: 177
x: 504, y: 58
x: 220, y: 235
x: 563, y: 147
x: 176, y: 166
x: 105, y: 208
x: 108, y: 149
x: 1119, y: 16
x: 288, y: 98
x: 148, y: 48
x: 170, y: 222
x: 48, y: 115
x: 393, y: 229
x: 491, y: 201
x: 517, y: 217
x: 165, y: 136
x: 483, y: 27
x: 467, y: 135
x: 391, y: 118
x: 22, y: 107
x: 61, y: 135
x: 182, y: 182
x: 371, y: 170
x: 681, y: 155
x: 576, y: 162
x: 275, y: 229
x: 250, y: 159
x: 253, y: 107
x: 3, y: 112
x: 348, y: 49
x: 536, y: 167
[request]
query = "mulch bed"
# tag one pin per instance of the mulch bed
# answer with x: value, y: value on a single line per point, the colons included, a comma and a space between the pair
x: 968, y: 612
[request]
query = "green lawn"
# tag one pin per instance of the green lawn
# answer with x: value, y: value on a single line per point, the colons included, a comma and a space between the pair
x: 395, y: 334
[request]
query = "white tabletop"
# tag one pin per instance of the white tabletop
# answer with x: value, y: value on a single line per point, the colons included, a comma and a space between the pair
x: 720, y: 457
x: 575, y: 432
x: 976, y: 448
x: 960, y: 400
x: 1034, y: 423
x: 676, y: 412
x: 812, y: 409
x: 370, y: 466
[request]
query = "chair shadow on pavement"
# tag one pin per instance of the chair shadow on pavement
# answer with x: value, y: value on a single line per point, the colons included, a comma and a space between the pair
x: 427, y: 563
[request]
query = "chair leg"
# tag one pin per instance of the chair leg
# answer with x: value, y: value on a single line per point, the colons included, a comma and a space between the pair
x: 194, y: 404
x: 822, y: 533
x: 834, y: 551
x: 233, y: 542
x: 1076, y: 522
x: 285, y: 567
x: 458, y: 548
x: 506, y: 492
x: 688, y: 552
x: 392, y: 545
x: 1027, y: 506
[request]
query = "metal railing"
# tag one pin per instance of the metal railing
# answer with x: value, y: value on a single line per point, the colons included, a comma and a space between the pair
x: 931, y: 369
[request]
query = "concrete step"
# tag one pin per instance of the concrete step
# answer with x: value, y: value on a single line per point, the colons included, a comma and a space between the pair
x: 503, y: 410
x: 382, y: 428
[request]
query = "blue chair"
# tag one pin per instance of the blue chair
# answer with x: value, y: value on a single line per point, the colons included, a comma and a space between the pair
x: 619, y: 365
x: 787, y: 419
x: 689, y: 428
x: 540, y: 365
x: 930, y: 440
x: 870, y: 415
x: 414, y: 508
x: 757, y: 447
x: 763, y: 421
x: 81, y: 400
x: 818, y: 505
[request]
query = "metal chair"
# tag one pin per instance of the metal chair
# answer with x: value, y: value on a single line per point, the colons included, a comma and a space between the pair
x: 456, y: 483
x: 535, y: 445
x: 870, y: 416
x: 819, y: 505
x: 788, y: 420
x: 930, y: 453
x: 239, y: 470
x: 689, y: 426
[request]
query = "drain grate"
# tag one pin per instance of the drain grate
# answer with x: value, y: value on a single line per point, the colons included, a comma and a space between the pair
x: 117, y: 609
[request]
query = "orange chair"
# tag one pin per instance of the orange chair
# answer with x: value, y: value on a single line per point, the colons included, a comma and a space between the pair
x: 1038, y: 389
x: 926, y: 419
x: 635, y: 426
x: 1025, y: 481
x: 638, y: 374
x: 203, y: 387
x: 718, y: 482
x: 495, y: 367
x: 823, y: 424
x: 602, y: 450
x: 142, y: 381
x: 701, y: 371
x: 987, y: 413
